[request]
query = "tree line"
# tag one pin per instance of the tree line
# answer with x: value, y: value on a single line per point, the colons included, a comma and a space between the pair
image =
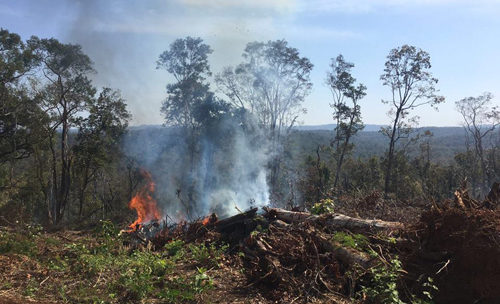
x: 58, y: 133
x: 60, y: 136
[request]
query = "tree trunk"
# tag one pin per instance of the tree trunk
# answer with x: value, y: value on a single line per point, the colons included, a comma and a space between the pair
x: 334, y: 220
x: 81, y: 196
x: 62, y: 195
x: 344, y: 149
x: 390, y: 156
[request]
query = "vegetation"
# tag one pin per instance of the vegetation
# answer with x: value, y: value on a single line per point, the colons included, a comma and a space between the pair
x: 61, y: 140
x: 407, y: 74
x: 272, y: 84
x: 347, y: 117
x: 66, y: 165
x: 96, y: 268
x: 480, y: 121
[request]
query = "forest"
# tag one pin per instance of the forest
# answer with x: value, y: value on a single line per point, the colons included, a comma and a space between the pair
x: 232, y: 200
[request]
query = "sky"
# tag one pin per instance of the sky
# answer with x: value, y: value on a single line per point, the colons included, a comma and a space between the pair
x: 125, y: 37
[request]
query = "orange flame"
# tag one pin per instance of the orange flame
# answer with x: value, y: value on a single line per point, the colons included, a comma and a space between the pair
x: 144, y: 203
x: 205, y: 221
x: 209, y: 219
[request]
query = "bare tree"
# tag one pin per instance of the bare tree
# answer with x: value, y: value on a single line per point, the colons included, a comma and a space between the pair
x: 480, y: 120
x: 407, y: 74
x: 346, y: 115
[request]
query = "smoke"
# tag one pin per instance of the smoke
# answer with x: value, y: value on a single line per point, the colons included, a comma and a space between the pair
x: 225, y: 171
x: 124, y: 39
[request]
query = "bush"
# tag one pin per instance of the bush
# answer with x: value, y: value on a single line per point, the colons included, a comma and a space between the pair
x: 381, y: 287
x: 324, y: 206
x: 17, y: 243
x: 356, y: 241
x: 207, y: 255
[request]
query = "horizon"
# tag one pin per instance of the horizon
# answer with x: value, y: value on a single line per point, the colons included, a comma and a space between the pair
x: 125, y: 39
x: 317, y: 125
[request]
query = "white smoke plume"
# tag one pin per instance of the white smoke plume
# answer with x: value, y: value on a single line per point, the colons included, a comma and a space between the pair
x: 228, y: 175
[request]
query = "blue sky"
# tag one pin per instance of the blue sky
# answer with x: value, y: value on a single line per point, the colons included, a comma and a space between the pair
x: 124, y: 39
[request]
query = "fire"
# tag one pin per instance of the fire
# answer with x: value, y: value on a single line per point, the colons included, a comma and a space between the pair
x: 205, y: 221
x: 209, y: 219
x: 144, y: 203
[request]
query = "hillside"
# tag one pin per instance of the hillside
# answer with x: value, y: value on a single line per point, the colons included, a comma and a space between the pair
x: 445, y: 142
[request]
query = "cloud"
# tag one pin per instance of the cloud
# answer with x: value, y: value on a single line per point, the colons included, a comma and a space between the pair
x: 228, y: 20
x: 10, y: 11
x: 367, y: 6
x: 310, y: 32
x: 277, y: 5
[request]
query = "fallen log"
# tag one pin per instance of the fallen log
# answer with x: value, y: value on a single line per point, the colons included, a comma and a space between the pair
x: 228, y: 224
x: 333, y: 220
x: 348, y: 256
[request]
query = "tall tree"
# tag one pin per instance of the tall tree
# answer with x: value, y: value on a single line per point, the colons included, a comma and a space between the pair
x: 407, y: 74
x: 188, y: 97
x: 187, y: 61
x: 480, y: 120
x: 347, y: 115
x: 98, y: 138
x: 271, y: 83
x: 66, y: 92
x: 20, y: 115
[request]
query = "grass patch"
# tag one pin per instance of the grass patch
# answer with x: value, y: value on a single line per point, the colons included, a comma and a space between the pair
x: 356, y: 241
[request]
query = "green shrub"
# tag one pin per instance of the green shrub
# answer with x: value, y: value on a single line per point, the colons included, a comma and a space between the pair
x: 175, y: 248
x: 202, y: 281
x: 324, y: 206
x: 207, y: 255
x: 181, y: 289
x: 17, y: 243
x: 381, y: 287
x: 356, y: 241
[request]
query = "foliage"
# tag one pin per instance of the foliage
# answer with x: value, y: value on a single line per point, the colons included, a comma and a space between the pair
x: 326, y: 205
x: 106, y: 271
x: 315, y: 180
x: 46, y: 94
x: 174, y: 247
x: 480, y: 121
x: 356, y: 241
x: 17, y: 243
x: 209, y: 255
x: 187, y: 61
x: 271, y: 83
x: 382, y: 284
x: 18, y: 131
x: 346, y: 116
x: 407, y: 74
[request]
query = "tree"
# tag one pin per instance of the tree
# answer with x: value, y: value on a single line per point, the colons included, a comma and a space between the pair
x: 271, y: 83
x: 407, y: 74
x: 19, y: 113
x: 187, y: 61
x: 189, y: 104
x: 480, y: 120
x: 66, y: 92
x: 347, y: 116
x: 98, y: 138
